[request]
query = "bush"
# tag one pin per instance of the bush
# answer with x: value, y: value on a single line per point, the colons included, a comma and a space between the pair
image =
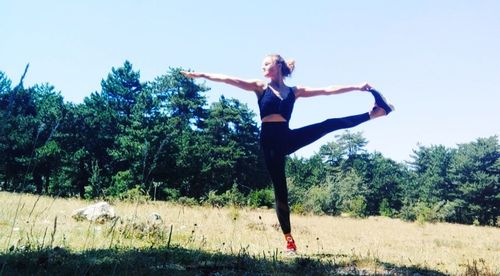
x: 407, y: 212
x: 455, y: 211
x: 261, y: 198
x: 136, y: 194
x: 424, y: 213
x: 295, y: 193
x: 171, y: 194
x: 215, y: 200
x: 446, y: 211
x: 385, y: 209
x: 319, y: 201
x: 187, y: 201
x: 121, y: 182
x: 61, y: 185
x: 234, y: 197
x: 231, y: 197
x: 298, y: 208
x: 94, y: 188
x: 357, y: 206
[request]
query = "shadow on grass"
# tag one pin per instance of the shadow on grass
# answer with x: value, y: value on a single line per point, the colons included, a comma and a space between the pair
x: 180, y: 261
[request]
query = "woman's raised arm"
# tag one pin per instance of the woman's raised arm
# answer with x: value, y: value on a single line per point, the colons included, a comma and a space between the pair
x: 331, y: 90
x: 249, y: 85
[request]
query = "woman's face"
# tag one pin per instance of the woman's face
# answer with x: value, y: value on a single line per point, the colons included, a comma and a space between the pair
x: 270, y: 68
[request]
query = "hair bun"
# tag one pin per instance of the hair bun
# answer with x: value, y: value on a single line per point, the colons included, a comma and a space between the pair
x: 290, y: 63
x: 287, y: 66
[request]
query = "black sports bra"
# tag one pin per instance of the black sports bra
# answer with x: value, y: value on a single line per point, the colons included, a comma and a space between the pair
x: 269, y: 104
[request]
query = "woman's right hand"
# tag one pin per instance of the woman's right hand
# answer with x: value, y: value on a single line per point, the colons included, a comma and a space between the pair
x: 250, y: 85
x: 192, y: 74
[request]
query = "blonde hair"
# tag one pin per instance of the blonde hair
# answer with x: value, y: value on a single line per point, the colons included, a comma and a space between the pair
x: 287, y: 66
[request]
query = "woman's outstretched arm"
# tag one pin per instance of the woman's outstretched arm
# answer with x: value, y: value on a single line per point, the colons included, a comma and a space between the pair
x: 249, y: 85
x: 331, y: 90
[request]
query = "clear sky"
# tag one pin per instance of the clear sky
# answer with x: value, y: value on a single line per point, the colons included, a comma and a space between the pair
x: 437, y: 61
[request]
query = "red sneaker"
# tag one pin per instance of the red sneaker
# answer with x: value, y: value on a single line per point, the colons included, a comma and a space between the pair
x: 290, y: 245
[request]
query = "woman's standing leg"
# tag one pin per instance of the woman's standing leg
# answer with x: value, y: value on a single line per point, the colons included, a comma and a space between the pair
x: 273, y: 142
x: 275, y: 162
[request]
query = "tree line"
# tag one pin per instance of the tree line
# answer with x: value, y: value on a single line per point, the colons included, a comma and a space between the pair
x: 161, y: 139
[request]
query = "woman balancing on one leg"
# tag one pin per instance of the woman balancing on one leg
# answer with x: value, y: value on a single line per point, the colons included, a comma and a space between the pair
x: 277, y: 140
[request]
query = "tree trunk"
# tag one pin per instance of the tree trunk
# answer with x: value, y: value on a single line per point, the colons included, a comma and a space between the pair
x: 37, y: 179
x: 47, y: 182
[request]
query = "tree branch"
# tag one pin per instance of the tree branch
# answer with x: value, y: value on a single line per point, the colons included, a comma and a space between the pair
x: 20, y: 85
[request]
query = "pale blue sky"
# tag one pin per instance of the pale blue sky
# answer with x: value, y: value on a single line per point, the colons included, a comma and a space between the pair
x: 437, y: 61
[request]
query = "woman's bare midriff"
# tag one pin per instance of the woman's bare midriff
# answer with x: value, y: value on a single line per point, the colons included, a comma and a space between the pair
x: 273, y: 118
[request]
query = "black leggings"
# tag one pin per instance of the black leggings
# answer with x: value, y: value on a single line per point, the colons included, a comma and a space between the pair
x: 278, y: 140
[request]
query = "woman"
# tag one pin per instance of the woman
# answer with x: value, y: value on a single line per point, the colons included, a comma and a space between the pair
x: 277, y: 140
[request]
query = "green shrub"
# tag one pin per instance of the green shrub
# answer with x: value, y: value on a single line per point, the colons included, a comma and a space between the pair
x: 215, y: 200
x: 231, y: 197
x: 385, y: 209
x: 171, y: 194
x: 61, y: 185
x: 95, y: 187
x: 453, y: 211
x: 407, y: 212
x: 298, y: 208
x: 187, y: 201
x: 295, y: 193
x: 136, y: 194
x: 357, y: 206
x: 319, y: 200
x: 234, y: 197
x: 424, y: 213
x: 261, y: 198
x: 121, y: 182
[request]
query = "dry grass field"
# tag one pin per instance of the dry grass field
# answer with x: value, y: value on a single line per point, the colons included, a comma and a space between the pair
x: 30, y: 223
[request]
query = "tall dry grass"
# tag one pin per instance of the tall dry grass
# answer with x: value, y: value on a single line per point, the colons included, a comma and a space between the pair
x: 31, y: 222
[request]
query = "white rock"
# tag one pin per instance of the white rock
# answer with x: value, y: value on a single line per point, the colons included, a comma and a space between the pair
x: 99, y: 212
x: 155, y: 218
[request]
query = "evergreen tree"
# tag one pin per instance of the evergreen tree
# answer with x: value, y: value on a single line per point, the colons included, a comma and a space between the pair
x: 19, y: 136
x: 50, y: 111
x: 5, y: 83
x: 475, y: 171
x: 180, y: 112
x: 232, y: 154
x: 5, y: 89
x: 431, y: 165
x: 386, y: 180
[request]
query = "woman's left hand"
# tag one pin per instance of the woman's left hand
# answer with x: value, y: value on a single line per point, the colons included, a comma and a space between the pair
x: 364, y: 87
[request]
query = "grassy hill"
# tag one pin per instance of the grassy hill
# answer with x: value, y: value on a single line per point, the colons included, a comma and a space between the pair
x: 38, y: 235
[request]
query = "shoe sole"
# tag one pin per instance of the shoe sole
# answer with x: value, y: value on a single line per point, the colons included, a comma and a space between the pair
x: 381, y: 101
